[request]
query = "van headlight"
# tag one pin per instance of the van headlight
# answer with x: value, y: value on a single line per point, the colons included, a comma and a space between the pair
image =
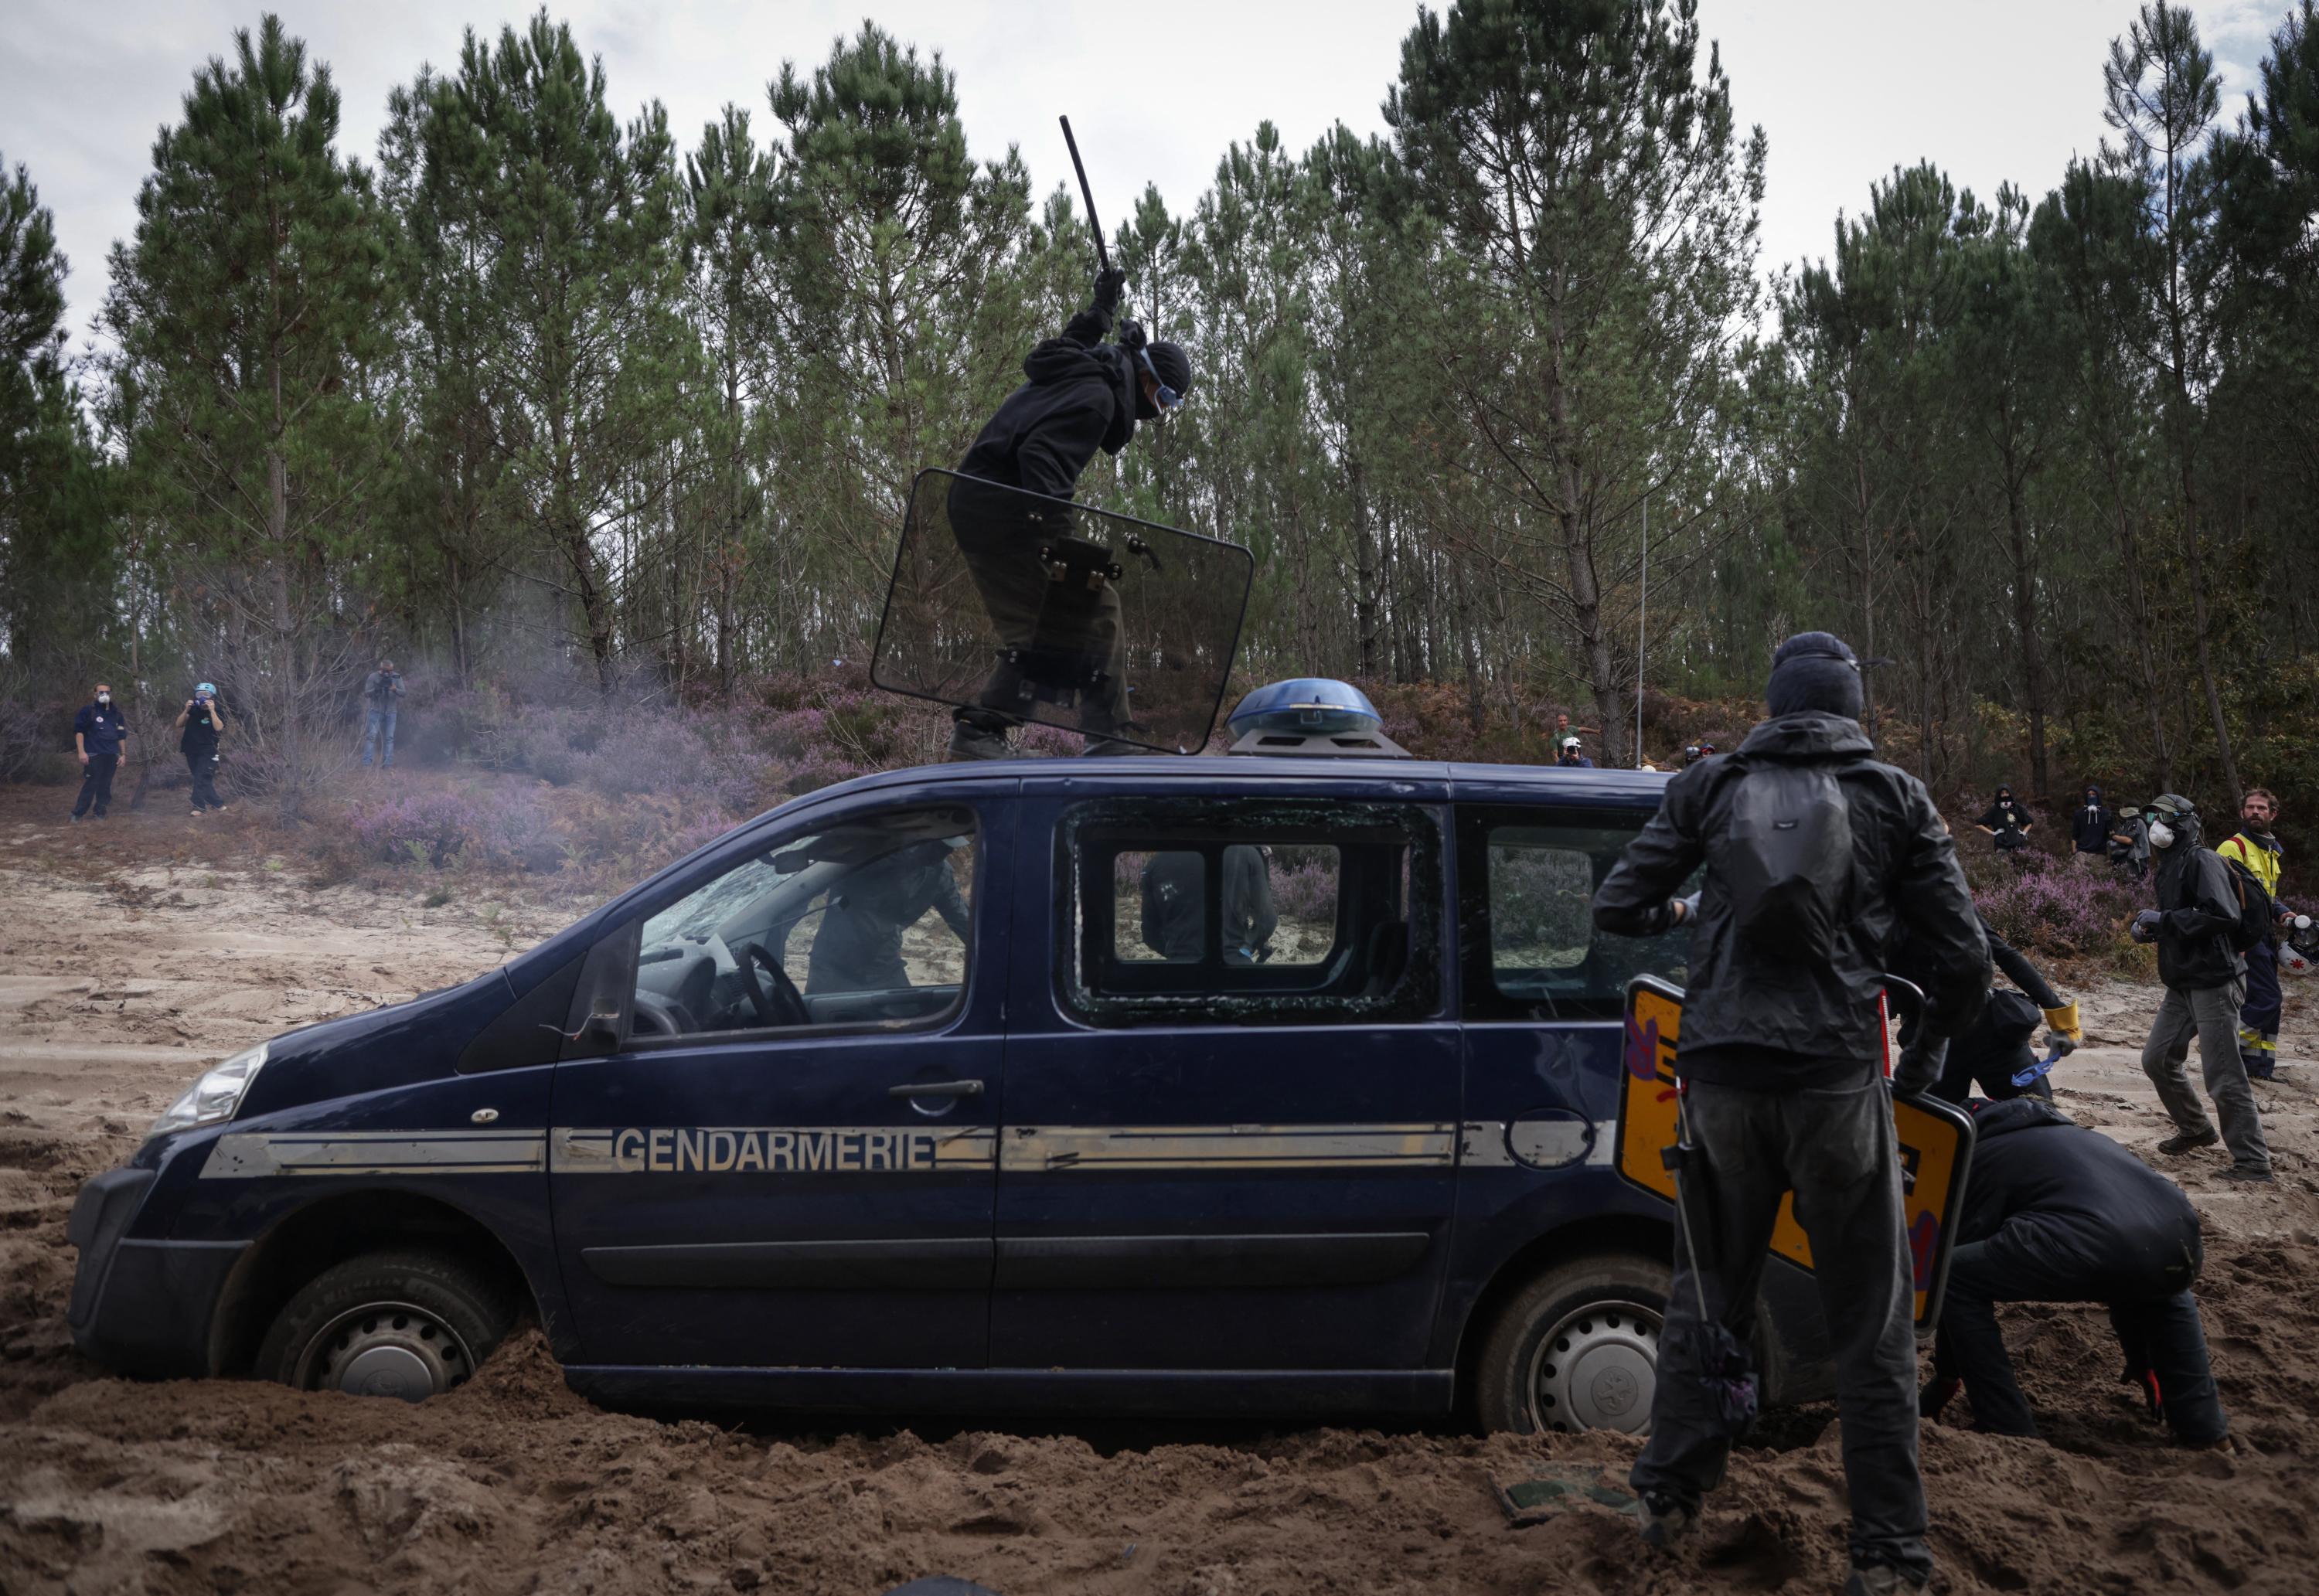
x: 215, y: 1095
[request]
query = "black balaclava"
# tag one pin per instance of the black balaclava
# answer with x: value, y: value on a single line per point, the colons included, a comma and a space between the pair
x: 1171, y: 365
x: 1813, y: 671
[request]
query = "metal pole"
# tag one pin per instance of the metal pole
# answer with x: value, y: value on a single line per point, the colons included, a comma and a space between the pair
x: 1642, y: 614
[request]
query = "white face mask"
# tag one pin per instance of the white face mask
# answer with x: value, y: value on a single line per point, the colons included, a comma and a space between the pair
x: 2161, y: 836
x: 104, y: 698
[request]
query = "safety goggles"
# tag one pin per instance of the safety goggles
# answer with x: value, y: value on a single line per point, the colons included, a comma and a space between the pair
x: 1169, y: 399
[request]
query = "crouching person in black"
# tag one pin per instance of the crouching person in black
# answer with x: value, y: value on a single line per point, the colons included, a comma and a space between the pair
x: 2055, y: 1212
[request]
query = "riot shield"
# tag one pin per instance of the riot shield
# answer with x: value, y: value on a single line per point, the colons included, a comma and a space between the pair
x: 1041, y: 609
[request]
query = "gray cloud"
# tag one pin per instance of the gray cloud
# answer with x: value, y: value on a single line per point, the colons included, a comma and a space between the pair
x: 1993, y: 90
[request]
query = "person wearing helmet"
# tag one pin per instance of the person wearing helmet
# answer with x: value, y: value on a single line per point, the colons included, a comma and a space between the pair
x: 2196, y: 914
x: 1569, y: 757
x: 1081, y: 394
x: 201, y: 723
x: 2257, y: 852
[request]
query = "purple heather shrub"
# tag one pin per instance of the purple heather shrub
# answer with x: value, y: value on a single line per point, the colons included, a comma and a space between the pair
x: 2060, y: 910
x: 1307, y: 891
x: 501, y: 826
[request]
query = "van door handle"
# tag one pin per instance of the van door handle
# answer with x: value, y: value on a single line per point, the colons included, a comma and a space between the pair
x: 937, y: 1088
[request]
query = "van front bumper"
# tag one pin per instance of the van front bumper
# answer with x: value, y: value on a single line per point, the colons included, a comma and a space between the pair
x: 142, y: 1306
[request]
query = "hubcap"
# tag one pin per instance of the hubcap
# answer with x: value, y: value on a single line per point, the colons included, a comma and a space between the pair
x: 1597, y: 1369
x: 386, y: 1349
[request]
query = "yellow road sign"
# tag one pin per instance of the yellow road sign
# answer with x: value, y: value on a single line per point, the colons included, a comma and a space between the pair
x: 1935, y: 1143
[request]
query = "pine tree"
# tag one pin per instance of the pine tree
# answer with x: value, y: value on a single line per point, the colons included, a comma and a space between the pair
x: 251, y: 311
x: 1602, y: 204
x: 581, y: 338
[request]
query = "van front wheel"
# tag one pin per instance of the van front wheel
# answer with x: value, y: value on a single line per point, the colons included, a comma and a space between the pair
x: 1577, y: 1349
x: 403, y: 1324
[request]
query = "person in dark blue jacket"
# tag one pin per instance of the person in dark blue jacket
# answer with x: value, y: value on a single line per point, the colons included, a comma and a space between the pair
x: 2055, y: 1212
x: 1082, y: 394
x: 98, y: 731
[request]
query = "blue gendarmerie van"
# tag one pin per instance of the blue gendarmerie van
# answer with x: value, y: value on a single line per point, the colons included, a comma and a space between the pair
x: 1109, y: 1086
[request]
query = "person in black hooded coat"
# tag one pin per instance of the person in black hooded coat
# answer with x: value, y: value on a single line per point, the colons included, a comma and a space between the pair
x: 1082, y: 394
x: 1781, y: 1062
x: 2055, y: 1212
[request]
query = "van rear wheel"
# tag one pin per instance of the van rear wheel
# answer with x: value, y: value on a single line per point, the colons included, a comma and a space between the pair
x: 1577, y: 1349
x: 403, y: 1324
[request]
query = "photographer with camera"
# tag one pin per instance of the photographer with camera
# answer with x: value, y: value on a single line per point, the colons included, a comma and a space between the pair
x: 380, y: 691
x: 201, y: 722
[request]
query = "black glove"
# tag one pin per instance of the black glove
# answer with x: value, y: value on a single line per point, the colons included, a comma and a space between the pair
x: 1131, y: 336
x: 2145, y: 926
x: 1109, y: 284
x: 1921, y: 1066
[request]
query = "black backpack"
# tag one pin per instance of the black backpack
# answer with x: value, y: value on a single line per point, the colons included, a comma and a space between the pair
x: 2257, y: 913
x: 1787, y: 860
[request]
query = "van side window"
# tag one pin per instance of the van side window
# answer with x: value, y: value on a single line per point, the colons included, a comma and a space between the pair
x: 1262, y: 910
x: 867, y: 923
x: 1531, y: 951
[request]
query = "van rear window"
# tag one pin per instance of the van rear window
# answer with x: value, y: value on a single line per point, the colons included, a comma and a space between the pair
x: 1250, y: 912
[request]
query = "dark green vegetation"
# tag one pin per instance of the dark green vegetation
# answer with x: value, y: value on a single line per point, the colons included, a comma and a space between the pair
x: 567, y: 407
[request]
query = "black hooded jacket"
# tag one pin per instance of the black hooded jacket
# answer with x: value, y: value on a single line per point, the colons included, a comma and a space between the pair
x: 2075, y: 1207
x: 1741, y: 1001
x: 2092, y: 823
x: 2198, y: 910
x: 1080, y: 398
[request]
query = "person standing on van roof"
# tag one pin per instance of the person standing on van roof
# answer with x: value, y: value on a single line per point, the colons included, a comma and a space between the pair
x: 1081, y: 394
x: 2055, y: 1212
x: 98, y: 731
x: 1815, y: 853
x: 2197, y: 913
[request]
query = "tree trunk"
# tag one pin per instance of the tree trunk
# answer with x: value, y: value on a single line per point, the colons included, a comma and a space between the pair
x: 2025, y: 618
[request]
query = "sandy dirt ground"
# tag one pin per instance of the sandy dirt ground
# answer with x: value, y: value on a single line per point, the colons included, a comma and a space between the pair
x: 131, y: 955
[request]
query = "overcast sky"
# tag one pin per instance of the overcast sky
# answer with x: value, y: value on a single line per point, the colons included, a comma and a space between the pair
x: 1993, y: 90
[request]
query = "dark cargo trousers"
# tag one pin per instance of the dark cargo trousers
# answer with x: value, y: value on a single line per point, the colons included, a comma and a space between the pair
x: 2210, y: 1015
x: 1836, y: 1150
x: 96, y: 785
x: 2155, y: 1317
x: 997, y: 533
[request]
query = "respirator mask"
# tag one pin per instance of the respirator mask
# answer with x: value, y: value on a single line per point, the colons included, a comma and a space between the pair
x: 2161, y: 836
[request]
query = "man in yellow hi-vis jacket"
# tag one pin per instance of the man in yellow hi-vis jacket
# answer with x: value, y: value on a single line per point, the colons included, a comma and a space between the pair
x: 2256, y: 851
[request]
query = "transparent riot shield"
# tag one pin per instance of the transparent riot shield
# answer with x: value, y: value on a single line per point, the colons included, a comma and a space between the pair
x: 1044, y: 610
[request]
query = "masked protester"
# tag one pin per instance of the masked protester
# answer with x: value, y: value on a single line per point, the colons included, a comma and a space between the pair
x: 2257, y: 852
x: 2090, y: 825
x: 1570, y: 758
x: 2055, y: 1212
x: 2007, y: 821
x: 2198, y: 912
x: 2129, y: 846
x: 1082, y: 394
x: 99, y: 729
x: 200, y: 724
x: 1815, y: 853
